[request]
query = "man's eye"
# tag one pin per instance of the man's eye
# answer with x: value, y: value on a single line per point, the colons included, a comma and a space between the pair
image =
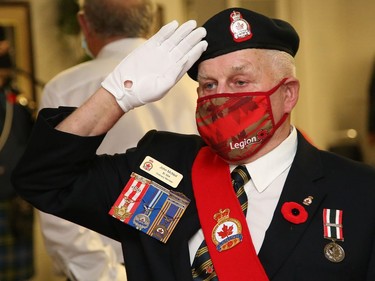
x: 240, y: 83
x: 209, y: 86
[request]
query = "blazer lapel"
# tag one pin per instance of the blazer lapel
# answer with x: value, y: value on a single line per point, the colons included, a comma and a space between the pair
x: 282, y: 236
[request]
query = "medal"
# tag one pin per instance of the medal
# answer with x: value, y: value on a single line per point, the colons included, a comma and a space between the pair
x: 141, y: 221
x: 334, y: 252
x: 149, y: 207
x: 169, y: 215
x: 333, y: 230
x: 121, y: 213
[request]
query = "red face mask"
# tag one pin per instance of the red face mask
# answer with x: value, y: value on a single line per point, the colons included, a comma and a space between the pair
x: 237, y: 125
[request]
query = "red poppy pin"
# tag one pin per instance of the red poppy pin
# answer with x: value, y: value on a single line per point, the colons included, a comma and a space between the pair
x: 294, y: 212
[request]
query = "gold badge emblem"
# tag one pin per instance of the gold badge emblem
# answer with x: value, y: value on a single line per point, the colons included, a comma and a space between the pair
x: 121, y: 212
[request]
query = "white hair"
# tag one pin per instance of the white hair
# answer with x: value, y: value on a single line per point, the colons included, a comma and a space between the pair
x: 282, y: 64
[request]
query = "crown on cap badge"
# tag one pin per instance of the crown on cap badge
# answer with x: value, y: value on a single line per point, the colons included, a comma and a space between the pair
x: 239, y: 27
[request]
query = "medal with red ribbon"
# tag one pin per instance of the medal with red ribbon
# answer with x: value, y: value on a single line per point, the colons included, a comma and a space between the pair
x: 333, y: 230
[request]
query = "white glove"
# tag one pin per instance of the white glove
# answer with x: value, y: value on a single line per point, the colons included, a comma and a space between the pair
x: 152, y: 69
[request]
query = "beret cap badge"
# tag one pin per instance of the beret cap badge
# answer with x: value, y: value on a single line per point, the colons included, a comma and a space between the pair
x: 239, y: 27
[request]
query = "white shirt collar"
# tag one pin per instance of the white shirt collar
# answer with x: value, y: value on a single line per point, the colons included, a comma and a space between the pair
x: 127, y: 45
x: 267, y: 168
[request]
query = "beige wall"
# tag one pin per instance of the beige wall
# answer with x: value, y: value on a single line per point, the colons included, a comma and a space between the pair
x: 53, y: 50
x: 337, y: 48
x: 334, y: 63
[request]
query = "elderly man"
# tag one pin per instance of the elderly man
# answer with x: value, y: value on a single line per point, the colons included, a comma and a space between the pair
x: 287, y: 211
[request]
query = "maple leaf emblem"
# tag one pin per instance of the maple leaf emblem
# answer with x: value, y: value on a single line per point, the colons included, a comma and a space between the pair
x: 225, y: 231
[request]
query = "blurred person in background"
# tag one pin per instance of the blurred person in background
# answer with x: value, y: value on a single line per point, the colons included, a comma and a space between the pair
x: 111, y: 29
x: 16, y: 216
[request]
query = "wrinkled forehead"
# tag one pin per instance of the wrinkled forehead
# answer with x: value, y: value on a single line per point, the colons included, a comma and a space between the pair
x: 250, y: 62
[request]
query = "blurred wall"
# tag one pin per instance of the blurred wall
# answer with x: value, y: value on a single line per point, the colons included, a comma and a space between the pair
x: 54, y: 50
x: 334, y: 65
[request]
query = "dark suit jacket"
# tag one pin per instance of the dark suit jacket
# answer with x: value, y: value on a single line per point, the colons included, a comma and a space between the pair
x: 61, y: 174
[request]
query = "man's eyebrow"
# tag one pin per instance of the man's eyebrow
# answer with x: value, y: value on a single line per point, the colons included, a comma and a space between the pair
x: 242, y: 67
x: 202, y: 77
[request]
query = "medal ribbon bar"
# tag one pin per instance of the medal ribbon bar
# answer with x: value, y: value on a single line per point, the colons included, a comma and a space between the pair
x: 332, y: 223
x: 149, y: 207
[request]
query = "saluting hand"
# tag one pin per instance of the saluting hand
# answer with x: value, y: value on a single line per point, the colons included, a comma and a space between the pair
x: 151, y: 70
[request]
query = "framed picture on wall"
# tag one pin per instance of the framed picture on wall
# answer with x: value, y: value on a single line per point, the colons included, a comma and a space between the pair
x: 15, y: 27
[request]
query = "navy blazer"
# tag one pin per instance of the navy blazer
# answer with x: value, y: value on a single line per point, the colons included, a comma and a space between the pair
x: 61, y: 174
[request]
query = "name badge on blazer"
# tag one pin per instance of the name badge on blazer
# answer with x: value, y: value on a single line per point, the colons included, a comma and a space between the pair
x: 149, y: 207
x: 161, y: 171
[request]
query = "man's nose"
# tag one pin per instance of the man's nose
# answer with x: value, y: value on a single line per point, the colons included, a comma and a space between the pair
x: 222, y: 88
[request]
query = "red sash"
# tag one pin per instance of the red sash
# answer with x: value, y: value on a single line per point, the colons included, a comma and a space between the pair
x: 213, y: 192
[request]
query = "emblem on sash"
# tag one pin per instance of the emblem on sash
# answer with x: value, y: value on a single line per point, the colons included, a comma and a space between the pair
x: 333, y: 230
x: 227, y: 232
x: 149, y: 207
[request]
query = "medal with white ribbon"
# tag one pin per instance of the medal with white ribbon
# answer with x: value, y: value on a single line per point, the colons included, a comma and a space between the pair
x: 333, y: 230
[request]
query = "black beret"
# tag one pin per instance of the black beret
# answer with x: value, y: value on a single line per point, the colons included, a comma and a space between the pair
x: 237, y: 28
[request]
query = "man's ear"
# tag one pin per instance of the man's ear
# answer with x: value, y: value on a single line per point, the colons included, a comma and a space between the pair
x: 291, y: 94
x: 82, y: 23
